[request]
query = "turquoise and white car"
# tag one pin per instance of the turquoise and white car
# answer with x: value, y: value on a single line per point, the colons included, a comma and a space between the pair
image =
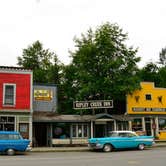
x: 121, y: 140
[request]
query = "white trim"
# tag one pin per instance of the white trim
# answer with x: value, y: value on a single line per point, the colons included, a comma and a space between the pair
x: 4, y: 91
x: 12, y: 71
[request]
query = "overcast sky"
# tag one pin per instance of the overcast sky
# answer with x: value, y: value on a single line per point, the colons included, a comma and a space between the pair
x: 56, y: 22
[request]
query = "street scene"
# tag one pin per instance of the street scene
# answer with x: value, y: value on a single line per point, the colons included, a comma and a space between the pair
x: 148, y: 157
x: 82, y: 83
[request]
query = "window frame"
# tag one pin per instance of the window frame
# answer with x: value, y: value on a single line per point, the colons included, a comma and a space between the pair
x: 148, y: 97
x: 14, y: 94
x: 162, y: 126
x: 83, y: 130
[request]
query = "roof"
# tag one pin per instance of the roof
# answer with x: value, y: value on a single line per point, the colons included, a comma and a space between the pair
x: 54, y: 117
x: 14, y: 68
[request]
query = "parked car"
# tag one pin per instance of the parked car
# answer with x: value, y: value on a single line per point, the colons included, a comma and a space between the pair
x: 120, y: 140
x: 12, y: 141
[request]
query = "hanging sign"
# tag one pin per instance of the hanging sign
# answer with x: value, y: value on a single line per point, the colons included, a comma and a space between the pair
x: 93, y: 104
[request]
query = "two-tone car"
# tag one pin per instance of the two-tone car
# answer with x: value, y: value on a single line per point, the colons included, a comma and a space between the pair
x: 121, y: 140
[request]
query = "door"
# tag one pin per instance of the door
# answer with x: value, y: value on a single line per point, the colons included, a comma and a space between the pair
x: 24, y: 130
x: 40, y: 134
x: 100, y: 130
x: 148, y: 126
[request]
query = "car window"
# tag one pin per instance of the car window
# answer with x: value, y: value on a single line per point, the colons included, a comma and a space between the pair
x: 14, y: 137
x: 4, y: 137
x: 123, y: 134
x: 113, y: 134
x: 131, y: 135
x: 9, y: 137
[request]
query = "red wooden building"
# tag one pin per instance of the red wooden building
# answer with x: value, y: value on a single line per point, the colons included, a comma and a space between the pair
x: 16, y: 100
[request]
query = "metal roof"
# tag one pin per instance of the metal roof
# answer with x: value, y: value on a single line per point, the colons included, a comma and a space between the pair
x: 54, y: 117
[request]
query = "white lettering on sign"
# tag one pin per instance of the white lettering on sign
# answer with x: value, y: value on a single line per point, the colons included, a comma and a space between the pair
x: 81, y: 105
x: 96, y: 104
x: 93, y: 104
x: 106, y: 104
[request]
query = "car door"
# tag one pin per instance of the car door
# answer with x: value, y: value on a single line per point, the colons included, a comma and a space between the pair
x: 127, y: 140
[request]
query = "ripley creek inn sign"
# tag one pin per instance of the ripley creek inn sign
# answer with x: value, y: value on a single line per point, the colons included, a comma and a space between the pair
x: 93, y: 104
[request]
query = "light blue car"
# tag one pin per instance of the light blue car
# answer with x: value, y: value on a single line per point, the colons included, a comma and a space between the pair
x: 11, y: 141
x: 121, y: 140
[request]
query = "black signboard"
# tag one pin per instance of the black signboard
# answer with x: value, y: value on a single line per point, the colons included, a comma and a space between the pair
x: 93, y: 104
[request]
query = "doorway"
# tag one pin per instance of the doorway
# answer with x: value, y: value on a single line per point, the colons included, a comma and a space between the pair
x: 40, y: 134
x: 148, y: 126
x: 100, y: 130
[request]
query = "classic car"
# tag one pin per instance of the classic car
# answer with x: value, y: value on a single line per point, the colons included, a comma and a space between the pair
x: 12, y: 141
x: 120, y: 140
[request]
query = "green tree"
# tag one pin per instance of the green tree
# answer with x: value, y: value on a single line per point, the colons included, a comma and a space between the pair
x: 162, y: 57
x: 103, y: 67
x: 149, y: 73
x: 162, y: 77
x: 44, y: 63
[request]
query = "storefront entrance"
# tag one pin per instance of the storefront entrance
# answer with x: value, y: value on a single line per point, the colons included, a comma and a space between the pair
x: 39, y: 134
x: 148, y: 126
x: 102, y: 128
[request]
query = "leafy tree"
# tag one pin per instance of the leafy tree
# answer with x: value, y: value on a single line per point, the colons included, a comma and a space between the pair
x: 103, y: 67
x: 162, y: 77
x: 162, y: 68
x: 162, y: 57
x: 44, y: 63
x: 149, y: 73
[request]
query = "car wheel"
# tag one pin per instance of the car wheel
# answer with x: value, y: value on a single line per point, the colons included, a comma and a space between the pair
x: 141, y: 146
x: 107, y: 148
x: 10, y: 152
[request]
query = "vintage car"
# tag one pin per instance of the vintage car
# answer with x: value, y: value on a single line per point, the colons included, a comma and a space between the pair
x: 12, y: 141
x: 120, y: 140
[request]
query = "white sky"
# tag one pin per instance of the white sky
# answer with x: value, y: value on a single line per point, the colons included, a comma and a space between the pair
x: 56, y: 22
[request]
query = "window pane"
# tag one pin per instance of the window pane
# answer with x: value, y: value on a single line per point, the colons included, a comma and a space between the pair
x: 9, y: 95
x: 148, y: 97
x: 137, y: 125
x: 162, y: 124
x: 85, y: 131
x: 79, y: 130
x: 74, y: 130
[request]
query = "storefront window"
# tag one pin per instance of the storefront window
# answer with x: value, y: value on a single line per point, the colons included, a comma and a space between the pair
x: 7, y: 123
x: 61, y: 130
x: 122, y: 125
x: 80, y: 131
x: 74, y: 131
x: 85, y: 131
x: 137, y: 125
x: 162, y: 124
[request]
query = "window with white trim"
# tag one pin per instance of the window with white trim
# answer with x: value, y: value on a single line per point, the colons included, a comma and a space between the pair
x: 7, y: 123
x: 9, y: 94
x: 80, y: 130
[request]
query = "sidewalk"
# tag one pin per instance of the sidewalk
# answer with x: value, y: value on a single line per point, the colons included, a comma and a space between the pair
x: 80, y: 148
x: 60, y: 149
